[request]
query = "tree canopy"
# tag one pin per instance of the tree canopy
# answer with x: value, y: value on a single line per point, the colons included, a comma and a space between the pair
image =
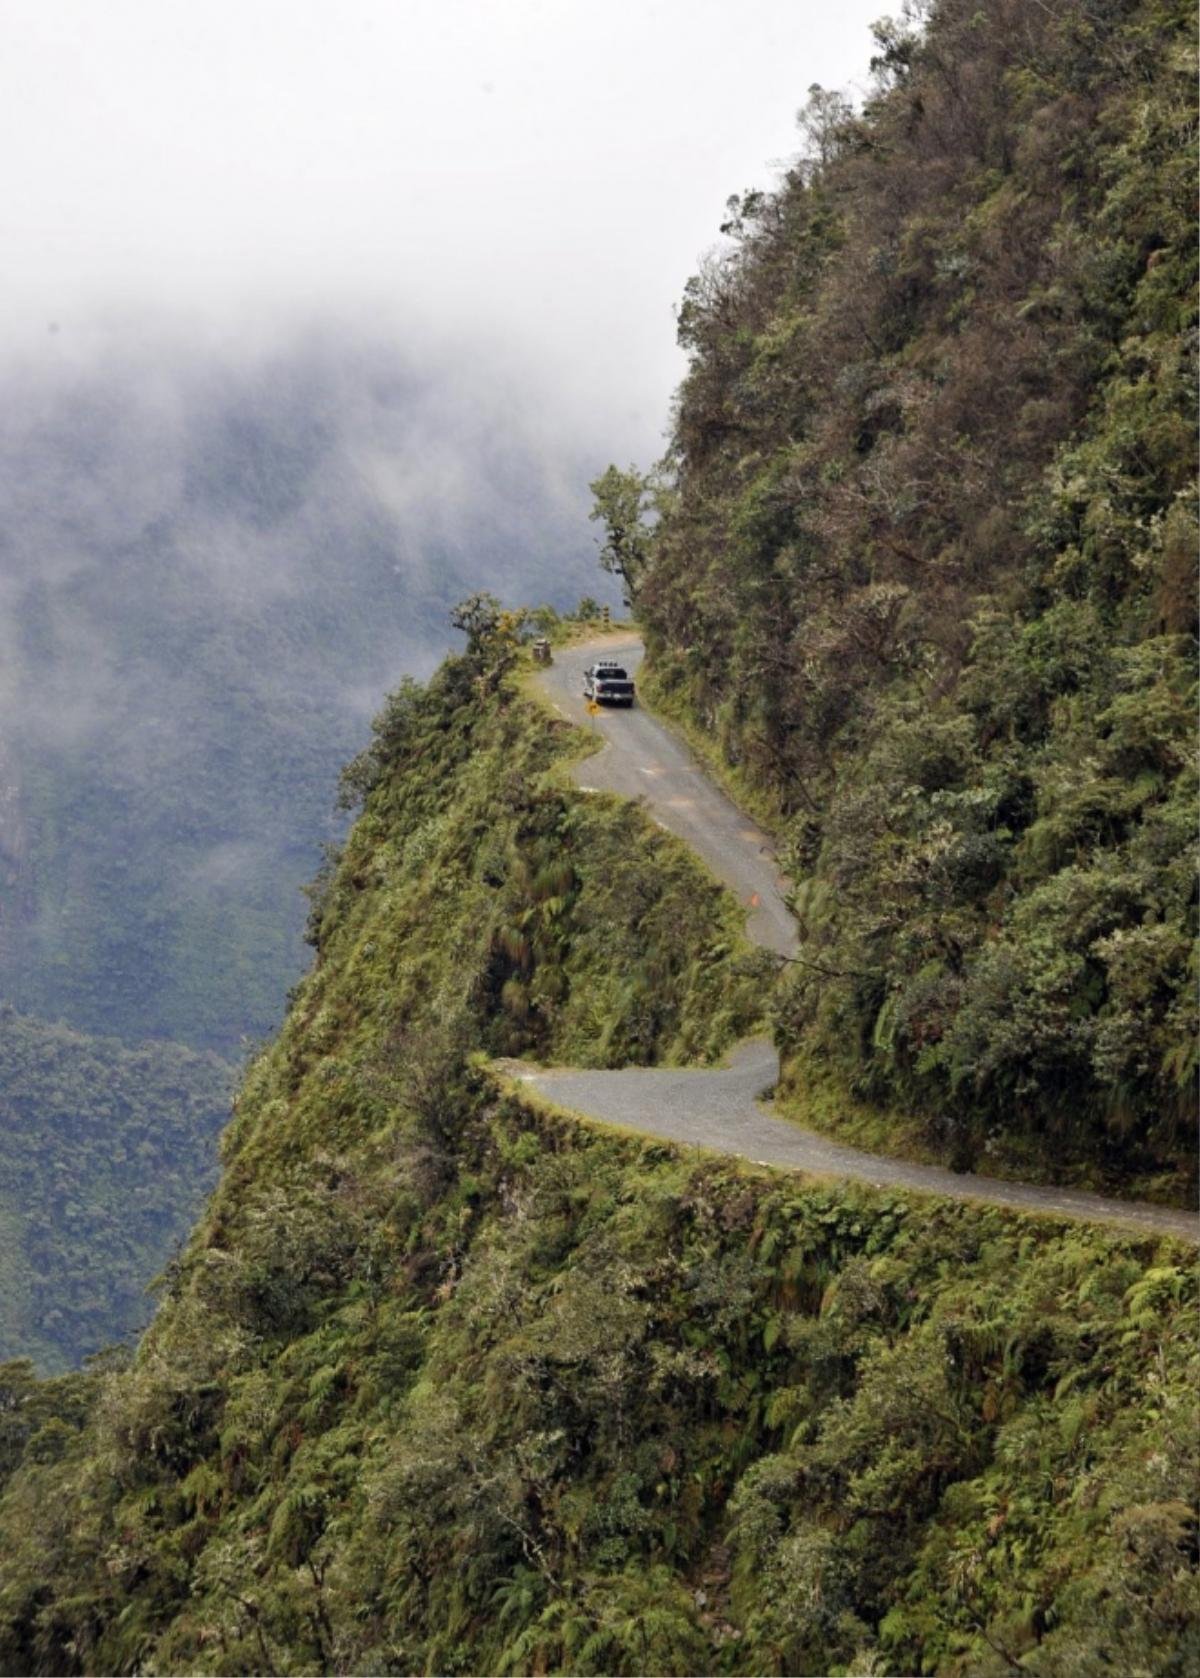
x: 925, y: 573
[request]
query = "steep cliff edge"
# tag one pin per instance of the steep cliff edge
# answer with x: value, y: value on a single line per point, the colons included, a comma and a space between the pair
x: 444, y: 1382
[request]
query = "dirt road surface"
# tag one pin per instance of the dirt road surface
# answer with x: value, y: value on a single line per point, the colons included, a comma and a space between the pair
x: 643, y: 759
x: 720, y: 1110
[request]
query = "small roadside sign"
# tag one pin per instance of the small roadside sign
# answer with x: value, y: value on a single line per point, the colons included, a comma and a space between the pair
x: 593, y: 708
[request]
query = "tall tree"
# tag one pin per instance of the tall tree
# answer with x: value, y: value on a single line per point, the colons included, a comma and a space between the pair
x: 622, y: 500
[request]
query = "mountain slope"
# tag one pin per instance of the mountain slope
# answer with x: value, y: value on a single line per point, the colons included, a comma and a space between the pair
x: 923, y: 572
x: 446, y: 1383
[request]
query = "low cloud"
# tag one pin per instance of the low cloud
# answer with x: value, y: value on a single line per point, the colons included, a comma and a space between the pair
x: 214, y: 568
x: 313, y: 320
x: 535, y: 178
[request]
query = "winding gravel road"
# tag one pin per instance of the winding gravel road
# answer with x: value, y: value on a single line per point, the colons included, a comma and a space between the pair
x: 643, y: 759
x: 720, y: 1109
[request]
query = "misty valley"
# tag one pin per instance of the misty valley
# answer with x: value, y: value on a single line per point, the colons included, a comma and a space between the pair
x: 211, y: 570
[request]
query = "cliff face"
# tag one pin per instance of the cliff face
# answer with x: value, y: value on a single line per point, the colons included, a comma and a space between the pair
x: 443, y: 1382
x: 924, y: 571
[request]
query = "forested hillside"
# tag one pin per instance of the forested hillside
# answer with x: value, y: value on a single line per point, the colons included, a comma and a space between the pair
x: 443, y: 1383
x: 106, y: 1154
x: 924, y: 571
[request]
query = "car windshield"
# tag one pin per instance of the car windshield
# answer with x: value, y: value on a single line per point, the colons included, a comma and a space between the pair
x: 612, y: 673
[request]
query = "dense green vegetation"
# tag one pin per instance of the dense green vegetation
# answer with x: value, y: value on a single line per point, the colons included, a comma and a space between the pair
x: 444, y: 1383
x: 106, y: 1154
x: 923, y: 567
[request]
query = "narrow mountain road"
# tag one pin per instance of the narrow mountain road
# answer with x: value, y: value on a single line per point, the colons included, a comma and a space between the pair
x: 720, y: 1109
x: 642, y: 759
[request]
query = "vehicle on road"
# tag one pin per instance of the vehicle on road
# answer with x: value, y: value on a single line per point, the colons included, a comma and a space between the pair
x: 608, y: 683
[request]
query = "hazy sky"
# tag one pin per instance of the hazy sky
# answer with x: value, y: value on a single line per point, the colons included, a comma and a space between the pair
x: 539, y: 176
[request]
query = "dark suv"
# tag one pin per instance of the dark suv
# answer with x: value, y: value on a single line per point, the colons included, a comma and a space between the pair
x: 607, y: 683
